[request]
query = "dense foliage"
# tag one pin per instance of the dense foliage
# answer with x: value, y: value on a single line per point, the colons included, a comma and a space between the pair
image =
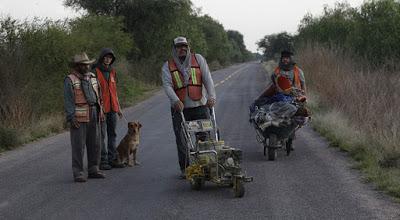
x: 273, y: 44
x: 370, y: 31
x: 153, y: 24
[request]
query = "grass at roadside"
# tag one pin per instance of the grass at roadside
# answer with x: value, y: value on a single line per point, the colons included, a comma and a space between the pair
x: 366, y: 152
x: 369, y: 154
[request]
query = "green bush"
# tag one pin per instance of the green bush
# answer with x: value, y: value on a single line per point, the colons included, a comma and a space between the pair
x: 371, y: 31
x: 8, y: 138
x: 35, y: 61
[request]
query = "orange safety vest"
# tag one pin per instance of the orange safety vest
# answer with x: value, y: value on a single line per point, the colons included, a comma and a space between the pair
x: 109, y: 91
x: 296, y: 77
x: 81, y: 105
x: 195, y: 85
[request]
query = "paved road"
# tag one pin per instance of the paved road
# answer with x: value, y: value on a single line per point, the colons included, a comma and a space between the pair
x: 315, y: 182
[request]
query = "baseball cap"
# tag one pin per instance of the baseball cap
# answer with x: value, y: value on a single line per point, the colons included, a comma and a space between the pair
x: 180, y: 41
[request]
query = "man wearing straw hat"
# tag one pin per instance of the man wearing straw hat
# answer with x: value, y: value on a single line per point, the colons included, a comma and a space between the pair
x: 83, y: 110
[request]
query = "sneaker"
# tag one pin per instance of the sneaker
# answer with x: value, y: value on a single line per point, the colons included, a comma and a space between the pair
x: 80, y: 179
x: 105, y: 167
x: 97, y: 175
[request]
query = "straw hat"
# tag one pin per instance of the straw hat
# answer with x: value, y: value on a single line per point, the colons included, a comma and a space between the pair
x: 82, y: 58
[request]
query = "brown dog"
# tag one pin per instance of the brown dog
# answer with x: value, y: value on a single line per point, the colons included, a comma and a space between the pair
x: 129, y: 145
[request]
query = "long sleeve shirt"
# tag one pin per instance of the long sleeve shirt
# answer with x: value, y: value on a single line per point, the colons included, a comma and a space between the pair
x: 208, y: 85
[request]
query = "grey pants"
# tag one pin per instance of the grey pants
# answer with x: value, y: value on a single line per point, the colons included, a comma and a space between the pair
x: 88, y: 134
x: 108, y: 127
x: 201, y: 112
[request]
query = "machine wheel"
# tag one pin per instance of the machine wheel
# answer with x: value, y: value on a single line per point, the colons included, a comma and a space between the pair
x: 196, y: 183
x: 272, y: 153
x: 238, y: 188
x: 289, y: 144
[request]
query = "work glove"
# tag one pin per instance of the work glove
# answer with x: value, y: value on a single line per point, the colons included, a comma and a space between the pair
x: 178, y: 106
x: 75, y: 123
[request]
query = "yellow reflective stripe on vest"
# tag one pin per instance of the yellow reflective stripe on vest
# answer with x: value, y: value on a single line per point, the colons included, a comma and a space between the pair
x: 80, y: 109
x: 76, y: 84
x: 194, y: 78
x: 178, y: 79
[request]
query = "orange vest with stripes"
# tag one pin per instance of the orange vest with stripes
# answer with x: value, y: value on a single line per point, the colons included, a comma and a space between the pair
x: 81, y: 105
x: 296, y: 77
x: 108, y: 91
x: 195, y: 84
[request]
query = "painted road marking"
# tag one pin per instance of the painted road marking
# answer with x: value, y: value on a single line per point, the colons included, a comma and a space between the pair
x: 230, y: 76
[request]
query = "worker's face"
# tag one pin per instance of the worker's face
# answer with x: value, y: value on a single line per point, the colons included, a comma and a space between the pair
x: 181, y: 50
x: 83, y: 68
x: 107, y: 59
x: 285, y: 60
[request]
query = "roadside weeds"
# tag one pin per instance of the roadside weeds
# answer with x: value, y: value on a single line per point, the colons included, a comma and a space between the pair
x: 369, y: 154
x: 340, y: 133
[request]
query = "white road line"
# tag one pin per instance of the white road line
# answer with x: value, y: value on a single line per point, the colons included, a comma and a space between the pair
x: 230, y: 76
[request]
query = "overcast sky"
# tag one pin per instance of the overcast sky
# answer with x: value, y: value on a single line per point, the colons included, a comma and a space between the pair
x: 253, y: 18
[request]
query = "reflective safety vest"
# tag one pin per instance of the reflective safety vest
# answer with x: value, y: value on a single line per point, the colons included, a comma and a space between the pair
x: 195, y: 84
x: 81, y: 105
x: 108, y: 91
x: 296, y: 77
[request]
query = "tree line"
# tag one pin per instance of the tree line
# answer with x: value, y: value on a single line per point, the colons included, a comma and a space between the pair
x: 370, y: 31
x: 153, y: 24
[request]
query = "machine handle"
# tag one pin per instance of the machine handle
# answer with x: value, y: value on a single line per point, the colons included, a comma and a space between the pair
x: 214, y: 123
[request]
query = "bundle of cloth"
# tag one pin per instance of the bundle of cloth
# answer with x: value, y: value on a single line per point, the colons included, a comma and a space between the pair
x: 277, y: 110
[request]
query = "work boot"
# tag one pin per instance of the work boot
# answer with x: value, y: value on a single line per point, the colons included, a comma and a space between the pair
x: 105, y: 166
x: 80, y: 179
x: 96, y: 175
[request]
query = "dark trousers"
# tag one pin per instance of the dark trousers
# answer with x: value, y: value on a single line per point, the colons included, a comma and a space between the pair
x: 201, y: 112
x: 88, y: 134
x: 108, y: 127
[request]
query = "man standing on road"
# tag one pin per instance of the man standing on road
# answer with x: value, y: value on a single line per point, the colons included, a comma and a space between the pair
x: 83, y: 111
x: 188, y: 84
x: 107, y: 77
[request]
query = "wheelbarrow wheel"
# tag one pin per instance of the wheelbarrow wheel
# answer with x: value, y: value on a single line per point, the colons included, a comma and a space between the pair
x: 196, y: 183
x: 238, y: 188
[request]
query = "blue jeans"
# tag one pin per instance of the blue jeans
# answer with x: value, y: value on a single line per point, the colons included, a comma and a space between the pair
x: 108, y: 127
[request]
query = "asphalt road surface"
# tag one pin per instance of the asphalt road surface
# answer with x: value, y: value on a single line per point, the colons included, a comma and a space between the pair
x: 314, y: 182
